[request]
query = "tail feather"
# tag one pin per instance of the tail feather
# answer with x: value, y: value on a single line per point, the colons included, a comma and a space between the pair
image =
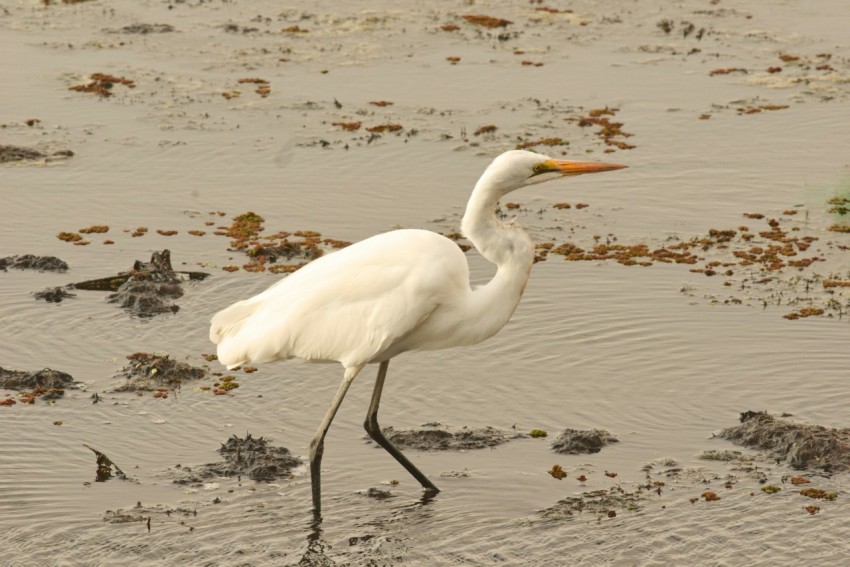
x: 224, y: 331
x: 230, y: 320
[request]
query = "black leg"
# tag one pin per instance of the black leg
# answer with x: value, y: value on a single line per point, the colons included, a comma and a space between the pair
x: 374, y: 431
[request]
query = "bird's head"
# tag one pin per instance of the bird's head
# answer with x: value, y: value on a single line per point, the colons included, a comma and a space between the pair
x: 519, y: 168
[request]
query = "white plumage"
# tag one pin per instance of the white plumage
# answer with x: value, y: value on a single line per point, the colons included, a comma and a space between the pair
x: 395, y: 292
x: 350, y: 306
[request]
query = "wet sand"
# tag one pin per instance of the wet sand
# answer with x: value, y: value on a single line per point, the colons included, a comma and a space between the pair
x: 252, y: 108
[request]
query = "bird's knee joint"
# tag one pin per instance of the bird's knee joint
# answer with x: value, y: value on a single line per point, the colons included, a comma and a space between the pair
x: 371, y: 425
x: 317, y: 448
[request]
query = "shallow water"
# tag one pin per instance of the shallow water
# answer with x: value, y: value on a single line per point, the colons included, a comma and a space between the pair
x: 652, y: 354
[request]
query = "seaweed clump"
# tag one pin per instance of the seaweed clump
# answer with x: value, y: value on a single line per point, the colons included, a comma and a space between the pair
x: 149, y: 372
x: 149, y: 287
x: 54, y: 294
x: 145, y: 29
x: 146, y: 290
x: 101, y: 84
x: 608, y: 130
x: 434, y: 438
x: 22, y: 380
x: 10, y: 154
x: 486, y: 21
x: 603, y: 503
x: 575, y: 441
x: 804, y: 446
x: 18, y: 153
x: 47, y: 384
x: 33, y: 262
x: 251, y: 457
x: 281, y: 246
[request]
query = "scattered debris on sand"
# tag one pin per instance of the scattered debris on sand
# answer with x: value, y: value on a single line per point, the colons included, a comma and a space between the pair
x: 49, y: 2
x: 95, y: 229
x: 803, y: 313
x: 440, y: 437
x: 819, y: 494
x: 603, y: 503
x: 145, y: 29
x: 781, y: 263
x: 149, y: 372
x: 608, y: 130
x: 223, y: 385
x: 268, y: 252
x: 388, y: 127
x: 349, y: 126
x: 73, y: 237
x: 710, y: 496
x: 558, y: 472
x: 251, y: 457
x: 33, y: 262
x: 486, y: 129
x: 157, y: 515
x: 804, y: 446
x: 263, y: 88
x: 486, y: 21
x: 101, y: 84
x: 574, y: 441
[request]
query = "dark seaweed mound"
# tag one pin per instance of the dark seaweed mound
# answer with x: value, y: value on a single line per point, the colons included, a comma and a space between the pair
x: 33, y: 262
x: 150, y: 287
x: 54, y: 294
x: 438, y: 439
x: 574, y: 441
x: 47, y: 379
x: 148, y: 372
x: 804, y: 446
x: 9, y: 154
x: 250, y: 457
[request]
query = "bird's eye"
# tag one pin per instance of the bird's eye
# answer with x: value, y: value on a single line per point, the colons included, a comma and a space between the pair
x: 537, y: 168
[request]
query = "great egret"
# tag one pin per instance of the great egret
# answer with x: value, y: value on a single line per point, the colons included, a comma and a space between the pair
x: 394, y: 292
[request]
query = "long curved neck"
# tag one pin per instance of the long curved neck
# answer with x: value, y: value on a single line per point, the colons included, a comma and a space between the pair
x: 507, y: 246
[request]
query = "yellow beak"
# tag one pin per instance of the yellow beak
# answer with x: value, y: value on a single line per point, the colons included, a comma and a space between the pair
x: 576, y: 167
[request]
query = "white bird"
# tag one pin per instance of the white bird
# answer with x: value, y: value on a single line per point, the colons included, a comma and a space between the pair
x: 398, y: 291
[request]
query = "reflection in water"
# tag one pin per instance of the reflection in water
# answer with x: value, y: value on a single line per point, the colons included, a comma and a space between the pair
x: 387, y: 531
x: 315, y: 555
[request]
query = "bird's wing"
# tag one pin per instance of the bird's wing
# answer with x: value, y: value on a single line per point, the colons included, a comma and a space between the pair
x: 349, y: 306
